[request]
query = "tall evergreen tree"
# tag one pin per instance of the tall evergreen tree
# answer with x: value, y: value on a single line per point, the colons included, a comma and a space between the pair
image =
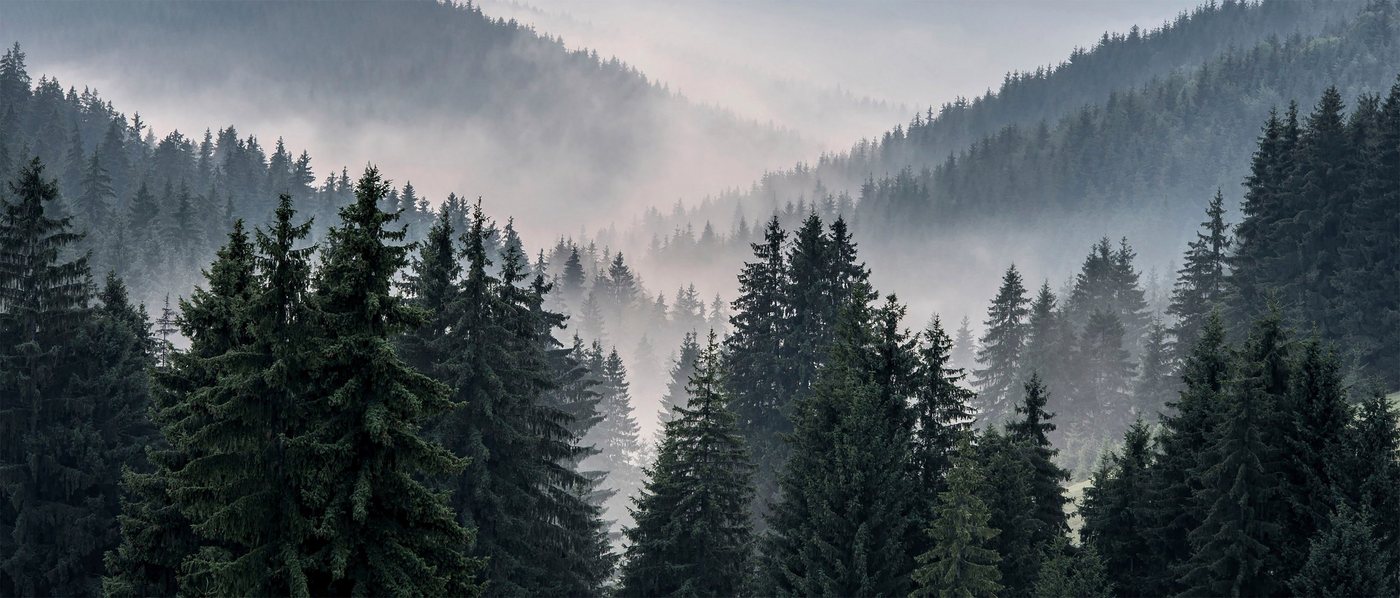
x: 942, y: 413
x: 693, y: 534
x: 1345, y: 559
x: 1001, y: 349
x: 1200, y: 283
x: 846, y: 502
x: 1031, y: 431
x: 1011, y: 501
x: 681, y: 371
x: 960, y: 561
x: 1117, y: 514
x: 380, y: 530
x: 1157, y: 380
x: 617, y: 439
x: 1235, y: 549
x: 61, y: 458
x: 754, y: 361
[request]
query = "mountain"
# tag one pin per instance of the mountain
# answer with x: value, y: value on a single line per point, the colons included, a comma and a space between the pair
x: 440, y: 93
x: 1130, y: 138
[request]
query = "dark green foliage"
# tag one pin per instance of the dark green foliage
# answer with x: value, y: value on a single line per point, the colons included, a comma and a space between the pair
x: 681, y: 371
x: 692, y: 535
x: 1182, y: 444
x: 1200, y: 283
x: 76, y: 388
x: 941, y: 410
x: 959, y: 561
x: 1235, y: 549
x: 757, y: 371
x: 1070, y: 572
x: 1000, y: 350
x: 379, y: 530
x: 1371, y: 476
x: 1117, y: 514
x: 1031, y: 432
x: 846, y: 500
x: 1009, y: 497
x: 1345, y: 560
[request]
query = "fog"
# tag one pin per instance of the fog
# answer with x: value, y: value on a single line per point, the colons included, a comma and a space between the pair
x: 749, y: 87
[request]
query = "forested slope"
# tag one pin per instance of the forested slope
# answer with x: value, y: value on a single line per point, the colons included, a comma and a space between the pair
x: 463, y: 99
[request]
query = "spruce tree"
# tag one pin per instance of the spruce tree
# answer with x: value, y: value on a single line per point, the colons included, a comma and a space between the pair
x: 681, y: 371
x: 1157, y: 380
x: 380, y: 530
x: 58, y: 512
x: 616, y: 438
x: 1371, y: 475
x: 1117, y: 513
x: 942, y: 414
x: 1313, y: 421
x: 1011, y: 502
x: 846, y: 502
x: 156, y: 533
x: 960, y: 561
x: 756, y: 366
x: 1235, y: 549
x: 245, y: 389
x: 1070, y: 572
x: 1182, y: 443
x: 1001, y: 350
x: 1031, y: 432
x: 693, y: 535
x: 1346, y: 559
x: 1200, y: 283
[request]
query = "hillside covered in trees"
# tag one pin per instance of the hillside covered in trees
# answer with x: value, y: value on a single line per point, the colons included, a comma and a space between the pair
x: 465, y: 100
x: 224, y: 373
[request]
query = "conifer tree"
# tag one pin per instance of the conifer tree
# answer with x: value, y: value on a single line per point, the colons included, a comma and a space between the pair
x: 1031, y: 431
x: 67, y: 377
x: 964, y: 347
x: 692, y: 535
x: 156, y: 534
x: 1157, y: 381
x: 431, y: 286
x: 1070, y: 572
x: 238, y: 490
x: 1371, y: 474
x: 1117, y: 513
x: 1186, y: 430
x: 1105, y: 392
x: 942, y: 414
x: 846, y: 500
x: 1234, y: 551
x: 380, y: 530
x: 1001, y: 349
x: 681, y: 371
x: 1346, y: 559
x: 1047, y: 335
x: 616, y: 438
x: 755, y: 364
x: 1200, y: 283
x: 1011, y: 502
x: 960, y: 562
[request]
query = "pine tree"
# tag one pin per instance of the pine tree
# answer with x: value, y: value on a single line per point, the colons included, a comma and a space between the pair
x: 1371, y: 474
x: 58, y: 513
x: 1346, y: 559
x: 156, y: 534
x: 1011, y: 503
x: 381, y: 530
x: 846, y: 500
x: 616, y: 438
x: 942, y: 414
x: 1070, y: 572
x: 754, y: 361
x: 1186, y: 430
x: 1001, y: 350
x: 244, y: 388
x: 960, y: 561
x: 692, y: 535
x: 1156, y: 383
x: 681, y: 371
x: 1117, y: 513
x: 1200, y: 283
x: 1031, y: 431
x: 1234, y: 548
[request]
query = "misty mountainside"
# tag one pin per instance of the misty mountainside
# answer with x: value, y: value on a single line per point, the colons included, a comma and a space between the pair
x: 438, y: 93
x: 1131, y: 137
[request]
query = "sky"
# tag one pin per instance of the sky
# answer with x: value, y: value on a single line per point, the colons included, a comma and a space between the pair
x: 833, y: 71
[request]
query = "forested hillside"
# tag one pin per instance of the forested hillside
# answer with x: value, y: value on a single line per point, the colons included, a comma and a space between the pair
x: 360, y: 415
x: 1132, y: 137
x: 466, y: 101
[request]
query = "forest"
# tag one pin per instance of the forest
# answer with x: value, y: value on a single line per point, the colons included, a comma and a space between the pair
x: 224, y: 373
